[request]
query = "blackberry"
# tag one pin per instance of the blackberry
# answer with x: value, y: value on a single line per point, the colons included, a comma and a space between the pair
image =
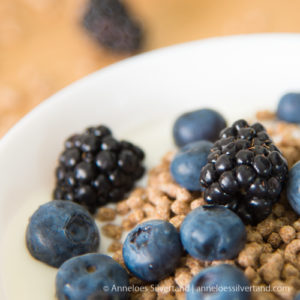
x: 245, y: 172
x: 109, y: 22
x: 95, y: 168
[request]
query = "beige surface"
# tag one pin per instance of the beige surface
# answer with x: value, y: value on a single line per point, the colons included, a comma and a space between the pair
x: 43, y: 48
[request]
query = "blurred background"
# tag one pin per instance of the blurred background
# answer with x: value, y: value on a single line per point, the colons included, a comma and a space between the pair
x: 44, y: 45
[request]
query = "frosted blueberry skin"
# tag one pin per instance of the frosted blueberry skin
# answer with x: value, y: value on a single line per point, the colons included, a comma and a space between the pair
x: 202, y: 124
x: 297, y: 297
x: 152, y: 250
x: 92, y: 276
x: 219, y: 279
x: 187, y: 164
x: 293, y: 188
x: 289, y: 108
x: 59, y: 230
x: 213, y: 232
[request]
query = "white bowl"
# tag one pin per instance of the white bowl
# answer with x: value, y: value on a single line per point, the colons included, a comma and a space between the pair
x: 138, y: 98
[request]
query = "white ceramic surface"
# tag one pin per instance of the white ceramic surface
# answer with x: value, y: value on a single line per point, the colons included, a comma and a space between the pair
x: 138, y: 98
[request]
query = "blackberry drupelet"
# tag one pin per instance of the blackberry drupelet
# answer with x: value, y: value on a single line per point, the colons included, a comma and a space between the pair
x: 95, y: 168
x: 110, y: 24
x: 245, y: 172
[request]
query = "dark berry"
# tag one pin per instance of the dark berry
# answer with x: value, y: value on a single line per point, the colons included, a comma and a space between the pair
x: 239, y: 124
x: 98, y: 169
x: 101, y: 131
x: 259, y: 208
x: 129, y: 146
x: 106, y: 160
x: 85, y: 195
x: 258, y: 127
x: 109, y: 22
x: 277, y: 160
x: 128, y: 161
x: 244, y: 157
x: 212, y: 157
x: 87, y: 157
x: 242, y: 144
x: 259, y: 187
x: 224, y: 163
x: 227, y: 132
x: 225, y: 142
x: 263, y: 136
x: 89, y: 143
x: 84, y: 172
x: 73, y: 141
x: 208, y: 174
x: 216, y: 194
x: 245, y: 171
x: 110, y: 144
x: 102, y: 184
x: 262, y: 165
x: 259, y: 149
x: 246, y: 133
x: 70, y: 179
x: 138, y: 174
x: 70, y: 157
x: 228, y: 183
x: 117, y: 178
x: 60, y: 174
x: 229, y: 148
x: 274, y: 187
x: 232, y: 204
x: 58, y: 193
x: 116, y: 194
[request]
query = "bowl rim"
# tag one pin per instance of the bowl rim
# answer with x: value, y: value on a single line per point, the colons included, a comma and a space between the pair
x: 136, y: 59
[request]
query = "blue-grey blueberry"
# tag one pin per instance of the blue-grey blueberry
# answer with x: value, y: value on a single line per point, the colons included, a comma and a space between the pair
x: 222, y: 282
x: 289, y: 108
x: 293, y: 188
x: 213, y: 232
x: 152, y: 250
x: 187, y: 164
x: 92, y: 276
x: 201, y: 124
x: 59, y: 230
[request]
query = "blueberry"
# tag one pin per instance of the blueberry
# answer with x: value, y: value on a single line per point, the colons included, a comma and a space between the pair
x: 152, y: 250
x: 293, y: 188
x: 212, y: 232
x: 91, y: 276
x: 188, y: 162
x: 202, y: 124
x: 59, y: 230
x: 289, y: 108
x: 222, y: 282
x: 297, y: 297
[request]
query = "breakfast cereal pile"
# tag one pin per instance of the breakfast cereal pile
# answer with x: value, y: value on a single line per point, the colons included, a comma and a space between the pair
x: 270, y: 257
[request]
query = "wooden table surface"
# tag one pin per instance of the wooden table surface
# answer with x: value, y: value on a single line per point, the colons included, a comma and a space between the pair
x: 43, y: 48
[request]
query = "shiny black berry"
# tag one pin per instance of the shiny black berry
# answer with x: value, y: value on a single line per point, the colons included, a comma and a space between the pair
x: 95, y: 168
x: 109, y: 22
x: 245, y: 171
